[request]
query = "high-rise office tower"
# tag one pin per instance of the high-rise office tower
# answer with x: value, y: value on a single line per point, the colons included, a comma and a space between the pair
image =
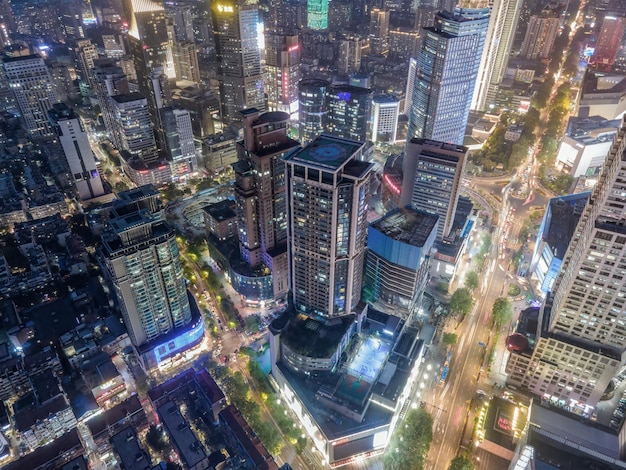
x: 379, y: 31
x: 239, y: 72
x: 540, y: 35
x: 282, y: 67
x: 148, y: 39
x: 512, y: 9
x: 348, y: 111
x: 317, y: 14
x: 312, y: 108
x: 85, y: 53
x: 143, y: 262
x: 260, y: 194
x: 385, y: 113
x: 108, y: 80
x: 327, y: 191
x: 180, y: 146
x: 134, y: 131
x: 433, y: 172
x: 349, y: 54
x: 580, y: 338
x: 34, y: 92
x: 609, y: 41
x: 447, y: 67
x: 497, y: 40
x: 186, y: 61
x: 410, y: 86
x: 182, y: 16
x: 78, y: 154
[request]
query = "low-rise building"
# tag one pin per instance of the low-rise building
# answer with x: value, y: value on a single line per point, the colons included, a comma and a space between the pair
x: 248, y: 448
x: 220, y: 219
x: 39, y: 425
x: 219, y: 151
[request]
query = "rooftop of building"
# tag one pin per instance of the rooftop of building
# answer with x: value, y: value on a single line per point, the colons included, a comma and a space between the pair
x: 504, y: 422
x: 79, y: 463
x: 601, y: 83
x: 385, y: 98
x: 20, y: 58
x: 434, y: 145
x: 407, y: 225
x: 131, y: 454
x: 313, y: 83
x: 222, y: 210
x: 326, y: 152
x: 28, y: 417
x: 314, y: 338
x: 378, y: 362
x: 592, y: 130
x: 569, y: 433
x: 61, y: 111
x: 128, y: 97
x: 564, y: 213
x: 115, y: 415
x: 98, y: 370
x: 138, y: 194
x: 61, y: 446
x: 202, y: 378
x: 189, y: 448
x: 257, y: 452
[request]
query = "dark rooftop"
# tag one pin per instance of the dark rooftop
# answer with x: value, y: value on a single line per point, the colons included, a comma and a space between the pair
x: 131, y: 454
x: 58, y: 448
x: 189, y: 448
x: 222, y: 210
x: 26, y: 418
x: 326, y: 152
x: 323, y: 343
x: 500, y: 420
x: 259, y: 455
x: 407, y: 225
x: 128, y: 97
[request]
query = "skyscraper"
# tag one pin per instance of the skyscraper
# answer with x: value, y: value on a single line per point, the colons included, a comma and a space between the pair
x: 540, y: 35
x: 410, y: 86
x: 133, y: 128
x: 327, y: 190
x: 580, y: 339
x: 317, y: 14
x: 348, y: 111
x: 447, y: 67
x: 260, y: 194
x: 78, y: 154
x: 181, y: 149
x: 379, y: 31
x: 235, y: 24
x: 312, y: 108
x: 186, y: 62
x: 384, y: 119
x: 609, y: 41
x: 143, y: 263
x: 282, y: 66
x: 432, y: 178
x: 34, y: 92
x: 498, y: 42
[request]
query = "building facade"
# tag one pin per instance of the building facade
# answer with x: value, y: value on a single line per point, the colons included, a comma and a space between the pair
x: 348, y: 111
x: 282, y: 67
x: 142, y: 260
x: 181, y: 149
x: 312, y: 108
x: 78, y: 154
x: 34, y: 92
x: 581, y: 336
x: 239, y: 71
x: 327, y: 189
x: 385, y: 114
x: 540, y: 35
x: 432, y: 178
x: 446, y: 73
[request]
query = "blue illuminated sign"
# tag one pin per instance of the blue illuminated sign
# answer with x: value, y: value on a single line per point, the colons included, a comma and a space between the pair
x: 344, y: 95
x: 185, y: 340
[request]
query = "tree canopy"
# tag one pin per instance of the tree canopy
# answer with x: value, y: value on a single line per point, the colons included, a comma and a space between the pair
x: 449, y: 339
x: 502, y: 311
x: 461, y: 462
x: 411, y: 442
x: 461, y: 301
x: 471, y: 280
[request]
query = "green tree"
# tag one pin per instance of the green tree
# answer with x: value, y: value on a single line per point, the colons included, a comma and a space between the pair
x: 461, y: 462
x: 461, y: 301
x: 156, y: 438
x: 502, y: 311
x: 411, y: 442
x: 449, y: 339
x: 443, y: 287
x: 471, y: 280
